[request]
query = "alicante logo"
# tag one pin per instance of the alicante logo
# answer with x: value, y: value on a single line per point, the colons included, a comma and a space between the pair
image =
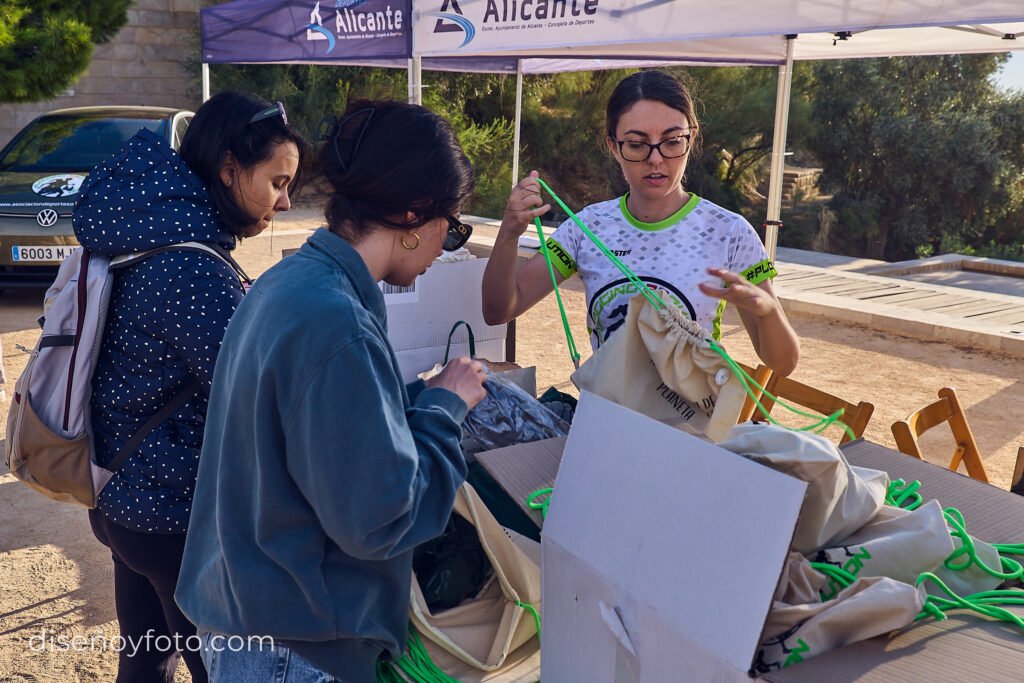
x: 316, y: 30
x: 451, y: 21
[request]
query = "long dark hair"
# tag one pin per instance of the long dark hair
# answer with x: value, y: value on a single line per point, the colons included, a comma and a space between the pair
x: 221, y: 125
x: 651, y: 85
x: 384, y: 159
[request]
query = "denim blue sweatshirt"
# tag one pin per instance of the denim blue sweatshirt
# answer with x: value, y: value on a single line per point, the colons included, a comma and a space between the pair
x: 320, y: 470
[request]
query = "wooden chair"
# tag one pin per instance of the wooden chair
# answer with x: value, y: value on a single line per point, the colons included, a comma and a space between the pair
x: 1017, y: 481
x: 946, y: 409
x: 855, y: 417
x: 761, y: 375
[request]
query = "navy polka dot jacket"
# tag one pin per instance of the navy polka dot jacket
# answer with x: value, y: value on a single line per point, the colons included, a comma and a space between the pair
x: 164, y: 327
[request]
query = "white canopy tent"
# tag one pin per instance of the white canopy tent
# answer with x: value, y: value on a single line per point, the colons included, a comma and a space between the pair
x: 549, y: 36
x: 734, y: 32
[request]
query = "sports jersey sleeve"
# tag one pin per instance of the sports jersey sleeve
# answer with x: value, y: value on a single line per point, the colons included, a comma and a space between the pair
x: 563, y: 246
x: 747, y: 255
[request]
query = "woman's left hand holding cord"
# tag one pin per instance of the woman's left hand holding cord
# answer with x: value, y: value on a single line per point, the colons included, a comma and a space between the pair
x: 741, y: 293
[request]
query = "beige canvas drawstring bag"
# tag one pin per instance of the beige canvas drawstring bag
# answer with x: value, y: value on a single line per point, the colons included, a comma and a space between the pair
x: 483, y: 632
x: 660, y: 363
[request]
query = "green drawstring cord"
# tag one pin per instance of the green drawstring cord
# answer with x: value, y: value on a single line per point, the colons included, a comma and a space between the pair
x: 819, y: 425
x: 533, y: 502
x: 415, y: 663
x: 904, y: 495
x: 984, y: 603
x: 532, y: 610
x: 967, y: 551
x: 574, y: 355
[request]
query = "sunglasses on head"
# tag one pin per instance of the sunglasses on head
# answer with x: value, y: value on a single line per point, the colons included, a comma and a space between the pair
x: 458, y: 233
x: 276, y: 110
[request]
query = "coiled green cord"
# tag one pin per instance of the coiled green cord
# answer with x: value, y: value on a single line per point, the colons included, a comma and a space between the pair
x: 415, y: 663
x: 904, y: 495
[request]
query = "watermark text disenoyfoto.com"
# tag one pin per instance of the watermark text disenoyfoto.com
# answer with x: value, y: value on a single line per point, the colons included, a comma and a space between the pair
x: 149, y: 642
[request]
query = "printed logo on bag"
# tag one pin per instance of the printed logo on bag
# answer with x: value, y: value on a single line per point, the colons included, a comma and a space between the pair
x: 853, y: 565
x: 772, y: 646
x: 354, y: 20
x: 609, y: 305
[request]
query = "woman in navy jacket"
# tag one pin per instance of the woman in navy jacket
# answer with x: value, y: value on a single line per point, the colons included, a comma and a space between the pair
x: 166, y: 319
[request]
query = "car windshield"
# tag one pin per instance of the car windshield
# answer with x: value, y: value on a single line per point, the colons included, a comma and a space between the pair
x: 73, y: 143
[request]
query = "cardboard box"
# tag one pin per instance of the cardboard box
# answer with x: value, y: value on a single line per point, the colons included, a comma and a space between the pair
x: 661, y: 553
x: 420, y: 317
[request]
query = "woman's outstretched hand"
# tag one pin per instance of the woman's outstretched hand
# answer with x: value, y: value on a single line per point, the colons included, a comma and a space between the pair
x: 463, y: 376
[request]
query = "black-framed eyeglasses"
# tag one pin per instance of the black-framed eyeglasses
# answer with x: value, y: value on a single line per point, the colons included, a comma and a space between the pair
x: 276, y: 110
x: 670, y: 148
x: 458, y: 233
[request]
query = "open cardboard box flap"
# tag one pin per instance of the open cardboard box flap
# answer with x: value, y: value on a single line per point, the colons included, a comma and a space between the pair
x: 661, y: 553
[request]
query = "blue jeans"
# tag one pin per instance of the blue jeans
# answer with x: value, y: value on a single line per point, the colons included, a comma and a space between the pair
x: 236, y: 659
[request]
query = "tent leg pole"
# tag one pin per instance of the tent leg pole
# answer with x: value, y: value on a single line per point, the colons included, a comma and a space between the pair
x: 518, y: 122
x: 415, y: 80
x: 771, y: 227
x: 206, y: 81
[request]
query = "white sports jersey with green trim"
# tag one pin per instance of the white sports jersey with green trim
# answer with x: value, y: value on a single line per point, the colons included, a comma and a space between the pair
x: 671, y: 256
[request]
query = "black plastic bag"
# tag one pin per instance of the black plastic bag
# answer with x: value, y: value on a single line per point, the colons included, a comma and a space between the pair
x: 506, y: 416
x: 451, y: 567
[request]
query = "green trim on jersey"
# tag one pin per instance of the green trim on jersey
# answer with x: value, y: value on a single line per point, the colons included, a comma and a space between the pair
x: 716, y: 324
x: 679, y: 215
x: 759, y: 272
x: 560, y: 258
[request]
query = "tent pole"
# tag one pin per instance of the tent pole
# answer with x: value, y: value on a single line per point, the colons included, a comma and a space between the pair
x: 771, y: 226
x: 206, y: 81
x: 518, y: 122
x: 416, y: 80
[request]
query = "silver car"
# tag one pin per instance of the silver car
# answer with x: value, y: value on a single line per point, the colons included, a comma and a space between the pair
x: 41, y: 171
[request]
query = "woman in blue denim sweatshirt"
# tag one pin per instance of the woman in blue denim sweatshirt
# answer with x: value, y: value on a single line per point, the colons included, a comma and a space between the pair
x: 321, y: 470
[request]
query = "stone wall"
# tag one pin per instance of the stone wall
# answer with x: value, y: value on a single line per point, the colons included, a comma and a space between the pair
x: 144, y: 64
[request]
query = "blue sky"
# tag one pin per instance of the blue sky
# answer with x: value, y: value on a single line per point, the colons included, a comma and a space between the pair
x: 1012, y: 74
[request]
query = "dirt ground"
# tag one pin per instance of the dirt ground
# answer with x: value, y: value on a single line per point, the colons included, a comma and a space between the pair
x: 57, y: 579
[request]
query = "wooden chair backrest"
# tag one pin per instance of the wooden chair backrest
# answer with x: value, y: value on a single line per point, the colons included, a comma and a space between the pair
x: 856, y: 417
x: 761, y: 374
x: 1017, y: 481
x: 946, y: 409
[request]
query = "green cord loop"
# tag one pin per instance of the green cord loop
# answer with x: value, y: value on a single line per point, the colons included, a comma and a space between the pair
x: 534, y: 502
x: 904, y: 495
x: 415, y: 663
x: 574, y: 355
x: 533, y: 611
x: 966, y: 555
x: 984, y: 603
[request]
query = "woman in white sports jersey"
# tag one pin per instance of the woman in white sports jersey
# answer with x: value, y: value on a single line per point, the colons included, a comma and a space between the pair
x: 672, y: 239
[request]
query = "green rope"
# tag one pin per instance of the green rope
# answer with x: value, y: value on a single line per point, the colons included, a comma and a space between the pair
x: 574, y: 355
x: 840, y: 576
x: 532, y: 610
x: 904, y: 495
x: 966, y: 555
x: 533, y: 502
x: 623, y: 268
x: 415, y: 663
x: 984, y: 603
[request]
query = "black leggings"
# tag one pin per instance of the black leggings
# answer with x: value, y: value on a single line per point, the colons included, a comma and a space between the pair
x: 146, y: 570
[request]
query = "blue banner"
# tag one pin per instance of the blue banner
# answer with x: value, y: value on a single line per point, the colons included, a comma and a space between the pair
x: 328, y: 31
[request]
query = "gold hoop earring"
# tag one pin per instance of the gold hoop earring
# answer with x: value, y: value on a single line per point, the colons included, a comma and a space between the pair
x: 413, y: 247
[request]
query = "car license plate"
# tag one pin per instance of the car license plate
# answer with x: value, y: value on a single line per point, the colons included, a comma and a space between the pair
x: 41, y: 253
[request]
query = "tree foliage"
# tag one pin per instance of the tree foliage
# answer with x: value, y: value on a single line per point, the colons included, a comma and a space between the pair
x: 917, y: 150
x: 45, y: 45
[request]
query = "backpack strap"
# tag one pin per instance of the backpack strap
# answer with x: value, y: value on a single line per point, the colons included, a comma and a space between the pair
x: 214, y: 250
x: 132, y: 444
